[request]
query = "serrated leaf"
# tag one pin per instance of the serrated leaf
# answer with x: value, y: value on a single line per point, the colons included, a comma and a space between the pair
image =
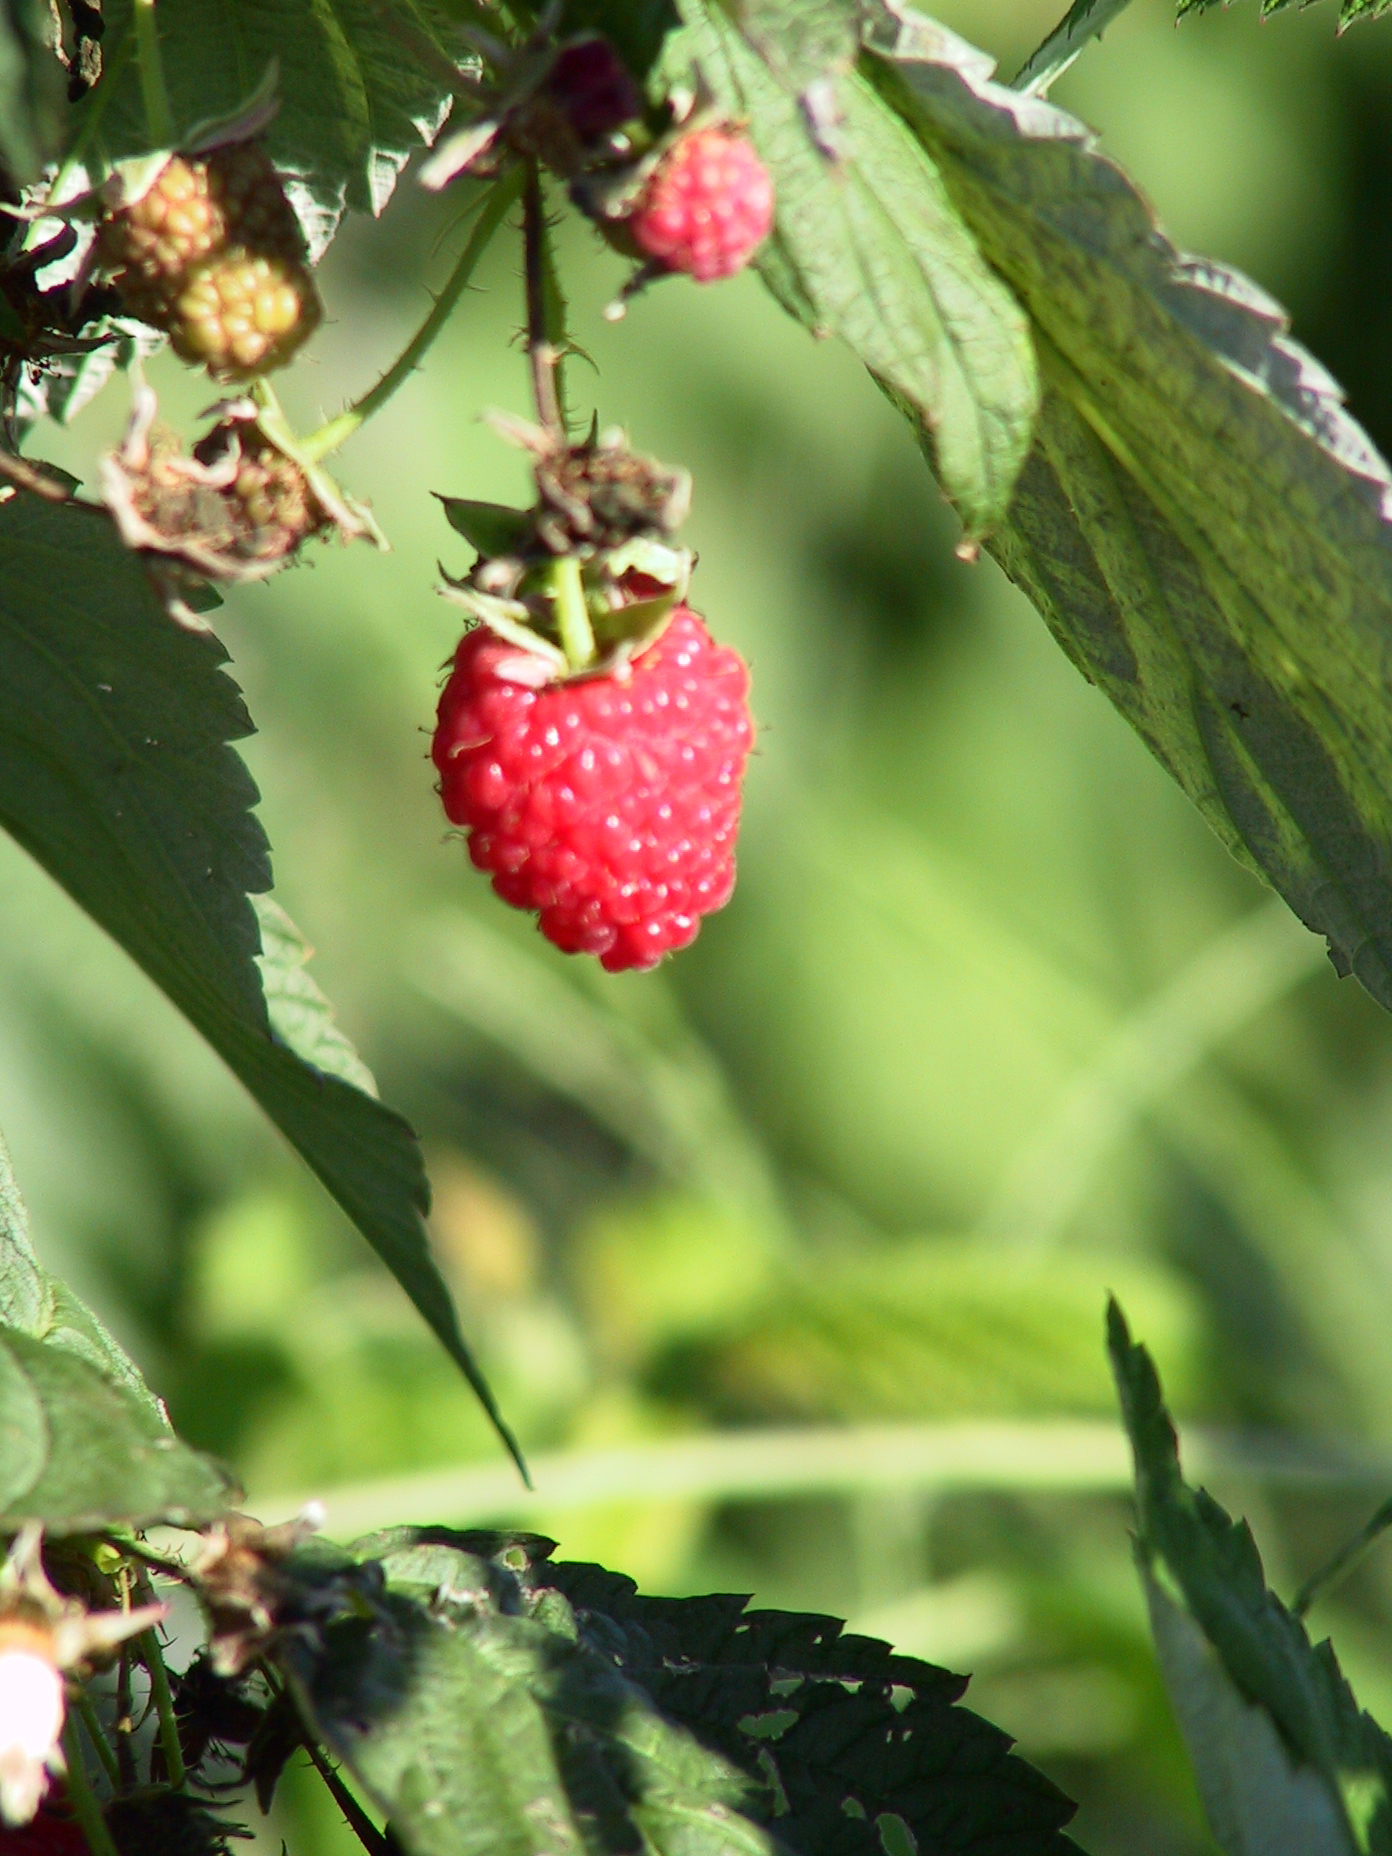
x: 32, y: 85
x: 1206, y: 531
x: 1229, y: 1646
x: 357, y: 97
x: 1084, y: 20
x: 832, y: 1732
x: 83, y: 1443
x: 868, y: 245
x: 117, y: 774
x: 478, y: 1730
x: 107, y: 1460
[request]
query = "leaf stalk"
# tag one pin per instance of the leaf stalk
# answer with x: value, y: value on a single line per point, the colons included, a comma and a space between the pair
x: 495, y: 208
x: 159, y: 118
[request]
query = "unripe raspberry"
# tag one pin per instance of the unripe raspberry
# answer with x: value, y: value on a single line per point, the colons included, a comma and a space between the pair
x: 609, y: 805
x: 214, y: 255
x: 707, y: 207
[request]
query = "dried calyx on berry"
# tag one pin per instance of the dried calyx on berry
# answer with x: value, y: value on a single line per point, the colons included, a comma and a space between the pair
x: 592, y: 736
x: 202, y: 243
x: 236, y: 509
x: 42, y: 1635
x: 588, y: 576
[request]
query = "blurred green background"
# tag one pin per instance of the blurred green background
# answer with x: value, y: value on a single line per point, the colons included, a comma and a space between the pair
x: 992, y: 1025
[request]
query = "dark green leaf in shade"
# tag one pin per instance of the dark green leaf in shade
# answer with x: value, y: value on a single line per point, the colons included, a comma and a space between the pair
x: 868, y: 244
x: 835, y: 1735
x: 32, y: 87
x: 117, y: 775
x: 1206, y: 531
x: 1284, y: 1756
x: 479, y: 1719
x: 362, y: 86
x: 83, y: 1444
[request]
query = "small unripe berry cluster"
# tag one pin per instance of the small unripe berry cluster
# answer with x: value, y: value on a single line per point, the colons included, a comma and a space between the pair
x: 214, y: 255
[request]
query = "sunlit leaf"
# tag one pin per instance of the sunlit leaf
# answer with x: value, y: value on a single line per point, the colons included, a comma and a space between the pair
x: 1206, y: 531
x: 869, y: 245
x: 1285, y: 1757
x: 117, y: 774
x: 360, y: 89
x: 83, y: 1444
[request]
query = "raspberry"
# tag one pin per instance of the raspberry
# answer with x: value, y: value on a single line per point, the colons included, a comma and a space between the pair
x: 214, y: 255
x: 50, y: 1832
x: 592, y: 85
x: 707, y: 208
x: 610, y: 806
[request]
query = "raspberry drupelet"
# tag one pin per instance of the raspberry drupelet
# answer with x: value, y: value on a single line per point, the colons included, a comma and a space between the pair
x: 609, y: 805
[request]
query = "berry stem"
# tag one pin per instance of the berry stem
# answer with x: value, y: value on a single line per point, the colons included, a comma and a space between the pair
x: 572, y: 613
x: 87, y: 1714
x: 153, y: 1658
x: 541, y: 350
x: 114, y: 63
x: 82, y: 1798
x: 495, y: 208
x: 159, y: 118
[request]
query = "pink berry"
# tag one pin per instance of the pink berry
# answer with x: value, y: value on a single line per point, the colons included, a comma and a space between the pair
x: 707, y: 208
x: 608, y: 805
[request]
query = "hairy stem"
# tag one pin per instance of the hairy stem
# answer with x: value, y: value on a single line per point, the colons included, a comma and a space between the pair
x: 153, y: 1658
x: 101, y: 1746
x: 495, y: 208
x: 159, y: 118
x: 83, y: 1799
x: 540, y: 350
x: 125, y: 1722
x: 357, y: 1819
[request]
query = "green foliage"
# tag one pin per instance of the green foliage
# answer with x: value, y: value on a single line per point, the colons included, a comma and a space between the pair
x: 523, y: 1700
x: 1349, y: 10
x: 361, y: 87
x: 868, y: 245
x: 83, y: 1445
x: 116, y: 773
x: 31, y: 90
x: 478, y: 1729
x: 1284, y: 1756
x: 1201, y: 524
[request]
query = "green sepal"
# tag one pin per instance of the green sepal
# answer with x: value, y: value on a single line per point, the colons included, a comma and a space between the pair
x: 492, y: 528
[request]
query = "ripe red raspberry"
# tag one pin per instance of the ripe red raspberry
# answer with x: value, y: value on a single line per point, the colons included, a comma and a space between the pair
x: 707, y: 208
x: 609, y: 806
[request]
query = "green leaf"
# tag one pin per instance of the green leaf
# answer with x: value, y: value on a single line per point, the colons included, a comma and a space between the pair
x: 1084, y: 20
x: 837, y: 1737
x: 1285, y: 1758
x: 358, y: 94
x: 32, y: 102
x: 478, y: 1730
x: 1206, y: 531
x: 868, y: 245
x: 117, y: 775
x: 83, y: 1444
